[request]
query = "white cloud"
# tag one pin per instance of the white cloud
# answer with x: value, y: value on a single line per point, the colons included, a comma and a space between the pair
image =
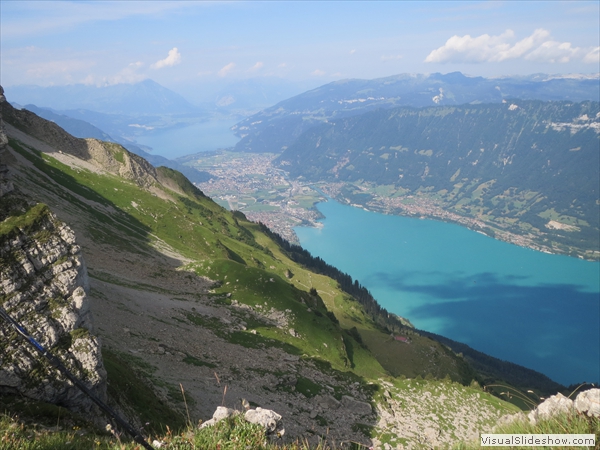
x: 89, y: 80
x: 45, y: 67
x: 129, y: 74
x: 282, y: 65
x: 317, y: 73
x: 225, y: 70
x: 172, y: 59
x: 593, y: 56
x: 353, y: 51
x: 51, y: 71
x: 538, y: 47
x: 552, y: 51
x: 256, y: 66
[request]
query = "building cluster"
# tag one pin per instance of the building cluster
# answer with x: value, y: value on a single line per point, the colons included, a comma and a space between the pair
x: 251, y: 184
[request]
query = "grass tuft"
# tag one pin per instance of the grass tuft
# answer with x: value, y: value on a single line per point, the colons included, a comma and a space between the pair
x: 233, y: 433
x: 563, y: 423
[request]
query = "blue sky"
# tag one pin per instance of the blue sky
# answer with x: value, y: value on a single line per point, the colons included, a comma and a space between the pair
x: 185, y: 45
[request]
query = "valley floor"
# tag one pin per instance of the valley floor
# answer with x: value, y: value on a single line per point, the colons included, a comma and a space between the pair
x: 248, y: 182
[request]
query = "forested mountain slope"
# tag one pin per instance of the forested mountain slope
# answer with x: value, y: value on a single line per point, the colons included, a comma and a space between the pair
x: 276, y: 128
x: 523, y: 166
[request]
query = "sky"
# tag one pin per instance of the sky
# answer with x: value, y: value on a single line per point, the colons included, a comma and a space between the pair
x: 189, y: 45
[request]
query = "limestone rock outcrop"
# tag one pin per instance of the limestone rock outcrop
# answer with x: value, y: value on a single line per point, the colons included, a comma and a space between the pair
x: 43, y: 284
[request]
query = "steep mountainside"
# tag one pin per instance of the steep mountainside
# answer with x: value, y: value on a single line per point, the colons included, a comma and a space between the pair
x: 44, y: 286
x: 185, y: 293
x: 276, y: 128
x: 82, y: 129
x: 522, y: 166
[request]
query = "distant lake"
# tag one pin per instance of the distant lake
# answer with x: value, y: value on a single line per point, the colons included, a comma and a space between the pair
x: 538, y: 310
x: 198, y: 137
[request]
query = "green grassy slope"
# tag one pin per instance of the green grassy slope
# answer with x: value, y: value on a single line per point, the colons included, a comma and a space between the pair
x: 247, y: 265
x: 304, y: 313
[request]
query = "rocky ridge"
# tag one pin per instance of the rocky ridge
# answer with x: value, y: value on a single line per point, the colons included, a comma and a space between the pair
x: 107, y: 156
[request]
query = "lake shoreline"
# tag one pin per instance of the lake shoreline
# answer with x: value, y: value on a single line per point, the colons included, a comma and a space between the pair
x: 508, y: 301
x: 423, y: 207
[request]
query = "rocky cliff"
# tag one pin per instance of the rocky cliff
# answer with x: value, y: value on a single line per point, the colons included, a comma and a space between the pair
x: 108, y: 156
x: 43, y: 284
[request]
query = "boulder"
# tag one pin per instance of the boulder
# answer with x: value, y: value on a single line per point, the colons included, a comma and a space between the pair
x: 507, y: 419
x: 265, y: 417
x: 220, y: 413
x: 270, y: 420
x: 554, y: 405
x: 588, y: 402
x: 327, y: 402
x: 356, y: 406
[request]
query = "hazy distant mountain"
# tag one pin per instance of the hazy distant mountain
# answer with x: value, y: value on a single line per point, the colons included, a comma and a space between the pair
x: 116, y: 125
x: 254, y: 94
x: 145, y: 97
x: 278, y: 126
x: 76, y: 127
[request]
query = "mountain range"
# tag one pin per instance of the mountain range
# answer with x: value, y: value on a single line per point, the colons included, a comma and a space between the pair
x: 143, y: 98
x: 275, y: 128
x: 185, y: 293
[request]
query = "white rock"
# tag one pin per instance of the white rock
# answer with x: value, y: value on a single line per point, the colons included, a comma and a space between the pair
x: 588, y: 402
x: 222, y: 413
x: 554, y: 405
x: 265, y: 417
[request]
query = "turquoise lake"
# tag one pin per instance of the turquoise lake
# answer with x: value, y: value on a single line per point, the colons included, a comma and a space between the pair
x: 531, y: 308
